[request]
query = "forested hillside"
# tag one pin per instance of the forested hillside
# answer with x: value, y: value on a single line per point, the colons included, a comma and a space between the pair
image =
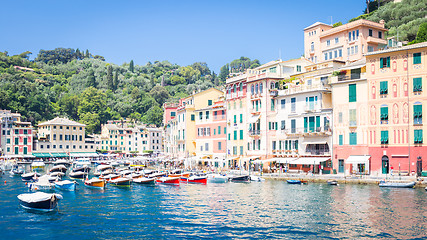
x: 83, y: 87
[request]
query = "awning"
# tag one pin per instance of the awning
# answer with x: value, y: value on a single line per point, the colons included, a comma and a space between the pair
x: 42, y: 155
x: 263, y: 161
x: 250, y: 158
x: 59, y: 154
x: 253, y: 118
x: 284, y: 160
x: 310, y: 160
x: 358, y: 159
x: 28, y: 156
x: 89, y: 154
x: 317, y: 142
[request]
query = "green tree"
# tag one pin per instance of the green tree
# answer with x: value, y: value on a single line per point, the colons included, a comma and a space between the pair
x: 116, y: 80
x: 92, y: 121
x: 154, y: 115
x: 422, y: 33
x: 91, y: 82
x: 337, y: 24
x: 110, y: 82
x: 87, y: 54
x: 131, y: 67
x: 160, y: 94
x: 135, y: 117
x: 224, y: 72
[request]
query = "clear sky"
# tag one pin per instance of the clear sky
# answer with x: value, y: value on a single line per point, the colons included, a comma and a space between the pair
x: 182, y: 32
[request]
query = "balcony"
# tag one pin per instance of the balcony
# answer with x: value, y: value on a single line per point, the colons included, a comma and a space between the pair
x: 353, y: 76
x: 254, y: 133
x: 312, y: 107
x: 374, y: 40
x: 294, y: 131
x: 304, y: 88
x: 274, y: 93
x: 317, y: 131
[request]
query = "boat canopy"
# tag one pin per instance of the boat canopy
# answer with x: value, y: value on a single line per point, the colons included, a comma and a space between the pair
x: 37, y: 197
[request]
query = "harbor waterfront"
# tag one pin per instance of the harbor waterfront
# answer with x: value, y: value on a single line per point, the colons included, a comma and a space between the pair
x: 257, y: 210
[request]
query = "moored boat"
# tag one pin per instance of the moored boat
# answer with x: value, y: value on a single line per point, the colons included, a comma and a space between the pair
x: 257, y: 179
x: 58, y: 168
x: 39, y: 201
x: 109, y: 177
x: 144, y: 180
x: 30, y: 176
x: 242, y: 178
x: 95, y: 183
x: 77, y: 175
x: 42, y: 183
x: 66, y: 185
x: 332, y: 182
x: 397, y: 184
x: 195, y: 179
x: 217, y: 178
x: 121, y: 182
x: 37, y: 166
x: 168, y: 180
x: 16, y: 170
x: 293, y: 181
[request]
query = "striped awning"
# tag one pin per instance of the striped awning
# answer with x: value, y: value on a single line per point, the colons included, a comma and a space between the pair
x: 42, y: 155
x: 59, y: 154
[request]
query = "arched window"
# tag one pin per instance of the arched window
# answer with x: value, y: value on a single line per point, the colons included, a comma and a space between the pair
x: 235, y: 88
x: 241, y: 87
x: 256, y: 88
x: 271, y: 85
x: 252, y: 89
x: 260, y: 88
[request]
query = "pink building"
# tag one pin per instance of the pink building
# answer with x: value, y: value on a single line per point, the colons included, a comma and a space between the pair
x: 348, y: 42
x: 396, y: 103
x: 16, y: 136
x: 169, y: 112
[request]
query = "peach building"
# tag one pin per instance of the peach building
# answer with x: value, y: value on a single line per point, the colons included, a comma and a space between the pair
x: 169, y: 112
x: 396, y: 102
x: 211, y: 135
x: 348, y: 42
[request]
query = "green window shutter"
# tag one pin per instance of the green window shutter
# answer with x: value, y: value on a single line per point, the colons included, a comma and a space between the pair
x: 235, y: 134
x: 235, y: 118
x: 272, y: 104
x: 340, y: 140
x: 415, y: 136
x: 209, y: 102
x: 317, y: 123
x: 386, y: 136
x: 352, y: 92
x: 277, y: 125
x: 417, y: 58
x: 286, y: 144
x: 219, y: 130
x: 388, y: 62
x: 296, y: 145
x: 381, y: 62
x: 420, y: 136
x: 269, y: 125
x: 417, y: 84
x: 214, y: 131
x: 225, y: 131
x: 305, y: 124
x: 311, y: 123
x: 241, y: 118
x: 229, y: 137
x: 385, y: 87
x: 241, y: 134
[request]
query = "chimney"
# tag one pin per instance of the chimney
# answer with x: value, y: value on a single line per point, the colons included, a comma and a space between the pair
x: 382, y: 22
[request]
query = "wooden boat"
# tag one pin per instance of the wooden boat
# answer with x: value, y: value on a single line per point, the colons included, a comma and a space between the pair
x: 243, y: 178
x: 155, y: 175
x: 179, y: 173
x: 168, y: 180
x: 121, y: 182
x: 58, y: 168
x: 304, y: 181
x: 293, y: 181
x: 332, y: 182
x: 77, y: 175
x: 397, y: 184
x: 217, y: 178
x: 195, y: 179
x: 110, y: 177
x: 66, y: 185
x: 39, y: 201
x: 95, y: 183
x: 144, y: 180
x: 26, y: 177
x: 136, y: 175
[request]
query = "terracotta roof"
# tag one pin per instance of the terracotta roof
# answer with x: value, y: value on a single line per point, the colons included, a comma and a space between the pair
x: 62, y: 121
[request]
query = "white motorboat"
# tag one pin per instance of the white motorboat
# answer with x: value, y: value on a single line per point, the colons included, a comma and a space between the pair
x: 217, y: 178
x: 39, y: 201
x: 42, y: 183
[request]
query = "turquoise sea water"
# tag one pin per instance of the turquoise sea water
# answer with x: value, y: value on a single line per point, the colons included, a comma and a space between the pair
x: 272, y: 209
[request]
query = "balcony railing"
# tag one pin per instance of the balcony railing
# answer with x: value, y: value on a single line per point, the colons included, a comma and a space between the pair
x: 311, y: 106
x: 304, y: 88
x: 254, y: 132
x: 353, y: 76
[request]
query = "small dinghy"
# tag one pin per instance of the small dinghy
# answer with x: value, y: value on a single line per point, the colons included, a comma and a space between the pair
x: 397, y: 184
x: 66, y: 185
x: 27, y: 177
x: 78, y: 175
x: 42, y: 183
x: 16, y: 170
x: 121, y: 182
x: 168, y: 180
x: 58, y: 168
x: 217, y: 178
x: 293, y: 181
x: 154, y: 175
x: 195, y: 179
x: 257, y: 179
x: 332, y: 182
x: 144, y: 180
x: 109, y: 177
x: 39, y: 201
x: 244, y: 178
x: 81, y: 169
x: 95, y: 183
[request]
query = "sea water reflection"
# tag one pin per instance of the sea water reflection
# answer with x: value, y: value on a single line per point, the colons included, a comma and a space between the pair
x: 272, y: 209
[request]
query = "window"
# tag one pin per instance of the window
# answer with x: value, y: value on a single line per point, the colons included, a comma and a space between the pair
x: 417, y: 58
x: 352, y: 92
x: 273, y: 69
x: 16, y: 150
x: 241, y: 86
x: 256, y: 88
x: 384, y: 115
x: 193, y: 117
x: 293, y: 104
x: 353, y: 138
x: 380, y: 34
x: 326, y: 56
x: 173, y: 114
x: 241, y: 150
x: 252, y: 89
x: 16, y: 141
x: 293, y: 126
x: 206, y: 146
x: 418, y: 114
x: 282, y: 103
x: 385, y: 62
x: 200, y: 115
x: 349, y: 36
x: 241, y: 118
x: 225, y: 131
x: 328, y: 43
x: 241, y: 134
x: 418, y: 84
x: 272, y: 104
x: 370, y: 33
x: 370, y: 49
x: 384, y: 137
x: 418, y: 136
x: 283, y: 125
x: 337, y: 40
x: 207, y: 114
x: 352, y: 117
x: 340, y: 137
x: 340, y: 53
x: 356, y: 49
x: 298, y: 68
x: 235, y: 135
x: 312, y: 46
x: 219, y: 146
x: 25, y: 141
x: 235, y: 118
x: 260, y: 88
x: 330, y: 55
x: 383, y: 87
x: 209, y: 102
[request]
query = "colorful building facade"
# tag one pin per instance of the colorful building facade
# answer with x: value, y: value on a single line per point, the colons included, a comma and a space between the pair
x: 16, y: 136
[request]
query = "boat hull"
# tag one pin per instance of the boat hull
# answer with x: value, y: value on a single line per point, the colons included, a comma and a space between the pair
x: 121, y: 182
x: 203, y: 180
x: 95, y: 184
x: 78, y: 175
x: 240, y: 179
x: 44, y: 205
x: 144, y: 180
x: 397, y: 185
x: 293, y: 181
x: 67, y: 186
x: 168, y: 180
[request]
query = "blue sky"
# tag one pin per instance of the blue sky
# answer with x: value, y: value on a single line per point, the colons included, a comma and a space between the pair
x: 182, y: 32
